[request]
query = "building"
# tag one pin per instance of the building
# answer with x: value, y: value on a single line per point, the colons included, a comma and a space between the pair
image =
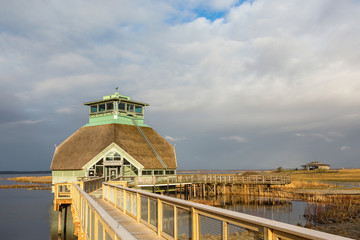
x: 116, y: 142
x: 316, y: 165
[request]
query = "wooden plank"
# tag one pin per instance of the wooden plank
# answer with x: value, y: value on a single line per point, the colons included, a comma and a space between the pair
x: 139, y: 230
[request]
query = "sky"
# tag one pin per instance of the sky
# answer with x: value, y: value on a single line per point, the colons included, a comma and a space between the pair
x: 232, y: 84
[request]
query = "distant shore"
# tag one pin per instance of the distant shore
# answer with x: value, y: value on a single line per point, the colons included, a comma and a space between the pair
x: 25, y: 172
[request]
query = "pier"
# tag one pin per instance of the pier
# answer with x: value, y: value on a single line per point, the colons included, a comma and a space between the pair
x: 110, y: 210
x: 113, y: 174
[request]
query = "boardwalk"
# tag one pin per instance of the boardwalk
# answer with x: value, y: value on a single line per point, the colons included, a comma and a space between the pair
x: 111, y: 211
x: 138, y: 230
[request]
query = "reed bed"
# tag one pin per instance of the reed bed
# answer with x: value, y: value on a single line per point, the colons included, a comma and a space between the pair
x: 344, y: 175
x: 32, y: 179
x: 27, y: 186
x: 308, y: 185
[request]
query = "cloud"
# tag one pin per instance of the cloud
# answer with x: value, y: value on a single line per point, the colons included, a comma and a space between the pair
x: 328, y: 137
x: 204, y: 66
x: 20, y: 123
x: 344, y: 148
x: 174, y: 139
x: 238, y: 139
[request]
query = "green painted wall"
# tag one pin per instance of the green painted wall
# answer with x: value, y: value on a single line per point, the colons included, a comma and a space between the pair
x: 108, y: 119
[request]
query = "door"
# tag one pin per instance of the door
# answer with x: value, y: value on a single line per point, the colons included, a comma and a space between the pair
x: 113, y: 173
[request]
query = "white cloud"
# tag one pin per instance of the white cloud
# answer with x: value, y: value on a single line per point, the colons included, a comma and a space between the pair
x: 20, y: 123
x: 344, y: 148
x: 328, y: 137
x: 174, y: 139
x: 238, y: 139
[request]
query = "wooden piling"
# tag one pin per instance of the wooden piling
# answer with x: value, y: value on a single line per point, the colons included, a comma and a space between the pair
x: 59, y: 221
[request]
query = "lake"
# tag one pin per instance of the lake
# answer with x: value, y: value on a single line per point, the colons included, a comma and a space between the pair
x: 28, y: 214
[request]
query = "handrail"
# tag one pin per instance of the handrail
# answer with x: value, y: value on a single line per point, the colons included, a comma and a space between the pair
x: 81, y: 200
x: 131, y: 201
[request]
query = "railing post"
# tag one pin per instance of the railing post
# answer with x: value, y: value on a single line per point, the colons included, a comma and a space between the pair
x: 225, y: 230
x: 175, y: 223
x: 115, y: 197
x: 268, y: 234
x: 194, y: 224
x: 125, y: 201
x: 160, y: 217
x: 138, y: 208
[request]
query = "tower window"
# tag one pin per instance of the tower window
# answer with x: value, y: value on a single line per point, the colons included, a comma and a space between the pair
x: 138, y: 109
x: 130, y: 108
x: 93, y: 108
x: 110, y: 106
x: 101, y: 107
x: 121, y: 106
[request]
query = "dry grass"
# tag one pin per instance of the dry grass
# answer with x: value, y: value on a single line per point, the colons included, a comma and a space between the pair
x: 41, y: 179
x: 346, y: 175
x: 28, y: 186
x: 307, y: 185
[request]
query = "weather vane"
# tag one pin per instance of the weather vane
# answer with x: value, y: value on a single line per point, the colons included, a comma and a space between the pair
x: 116, y: 89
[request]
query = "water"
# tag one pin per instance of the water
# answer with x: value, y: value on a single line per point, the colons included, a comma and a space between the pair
x: 283, y: 210
x: 26, y: 214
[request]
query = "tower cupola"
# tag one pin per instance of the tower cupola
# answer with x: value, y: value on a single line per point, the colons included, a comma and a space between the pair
x: 116, y: 108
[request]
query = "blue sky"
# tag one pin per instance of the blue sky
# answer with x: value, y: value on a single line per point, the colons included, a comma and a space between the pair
x: 245, y: 85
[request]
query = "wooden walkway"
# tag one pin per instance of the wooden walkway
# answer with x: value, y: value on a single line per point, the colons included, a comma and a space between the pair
x: 138, y: 230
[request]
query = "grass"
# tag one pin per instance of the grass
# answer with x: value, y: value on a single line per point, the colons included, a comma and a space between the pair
x: 344, y: 175
x: 308, y: 185
x: 28, y: 186
x: 32, y: 179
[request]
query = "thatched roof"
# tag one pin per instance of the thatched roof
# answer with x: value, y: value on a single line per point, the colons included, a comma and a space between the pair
x: 87, y: 142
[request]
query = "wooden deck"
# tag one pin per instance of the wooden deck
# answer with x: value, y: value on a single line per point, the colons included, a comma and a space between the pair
x: 138, y: 230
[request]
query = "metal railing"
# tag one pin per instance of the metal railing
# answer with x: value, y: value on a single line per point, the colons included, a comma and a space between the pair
x: 179, y: 219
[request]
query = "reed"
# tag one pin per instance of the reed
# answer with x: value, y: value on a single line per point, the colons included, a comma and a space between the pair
x: 28, y: 186
x: 323, y: 213
x: 32, y: 179
x: 308, y: 185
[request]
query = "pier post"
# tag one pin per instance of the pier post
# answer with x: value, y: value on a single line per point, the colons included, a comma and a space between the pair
x: 59, y: 220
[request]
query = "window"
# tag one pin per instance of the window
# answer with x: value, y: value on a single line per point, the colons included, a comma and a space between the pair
x: 110, y: 106
x: 134, y: 169
x: 117, y: 157
x: 126, y: 162
x: 121, y: 106
x: 146, y: 172
x: 97, y: 169
x: 101, y: 107
x: 158, y: 172
x: 138, y: 109
x: 113, y: 156
x: 93, y: 109
x: 130, y: 108
x: 170, y: 172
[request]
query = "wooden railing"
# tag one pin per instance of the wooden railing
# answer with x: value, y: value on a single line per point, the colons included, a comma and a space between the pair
x: 135, y: 181
x: 179, y: 219
x: 95, y: 222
